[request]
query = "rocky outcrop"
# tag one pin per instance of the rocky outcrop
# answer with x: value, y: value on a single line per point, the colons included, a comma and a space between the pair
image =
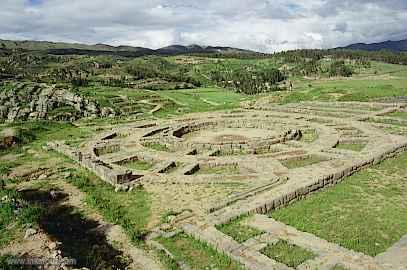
x: 8, y: 138
x: 30, y: 101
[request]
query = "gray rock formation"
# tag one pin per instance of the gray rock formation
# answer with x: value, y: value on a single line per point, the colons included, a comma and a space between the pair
x: 29, y: 101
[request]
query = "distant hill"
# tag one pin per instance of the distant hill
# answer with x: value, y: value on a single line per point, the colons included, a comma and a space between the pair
x: 61, y: 48
x: 396, y: 46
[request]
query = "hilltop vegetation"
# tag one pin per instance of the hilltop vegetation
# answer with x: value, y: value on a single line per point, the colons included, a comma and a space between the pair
x: 397, y: 46
x: 74, y: 84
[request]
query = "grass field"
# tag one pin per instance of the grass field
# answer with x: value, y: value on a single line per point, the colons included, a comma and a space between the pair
x: 197, y: 255
x: 303, y: 162
x: 381, y: 80
x: 157, y: 147
x: 36, y: 133
x: 402, y: 115
x: 200, y: 100
x: 239, y: 231
x: 288, y: 254
x: 138, y: 165
x: 130, y: 209
x: 367, y: 212
x: 339, y: 267
x: 15, y: 216
x: 309, y: 136
x: 357, y: 147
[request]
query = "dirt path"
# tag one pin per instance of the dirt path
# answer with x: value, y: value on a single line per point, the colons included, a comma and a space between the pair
x: 395, y: 257
x: 70, y: 224
x: 141, y: 259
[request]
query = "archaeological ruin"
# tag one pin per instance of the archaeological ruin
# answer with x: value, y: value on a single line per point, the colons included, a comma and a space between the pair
x: 271, y: 154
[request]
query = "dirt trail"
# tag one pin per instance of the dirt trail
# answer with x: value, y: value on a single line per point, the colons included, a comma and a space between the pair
x: 78, y: 232
x: 141, y: 259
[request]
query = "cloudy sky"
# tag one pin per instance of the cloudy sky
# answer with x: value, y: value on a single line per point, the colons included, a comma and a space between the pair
x: 262, y: 25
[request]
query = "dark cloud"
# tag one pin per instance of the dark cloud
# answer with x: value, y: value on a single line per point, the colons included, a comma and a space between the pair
x: 265, y: 25
x: 341, y: 27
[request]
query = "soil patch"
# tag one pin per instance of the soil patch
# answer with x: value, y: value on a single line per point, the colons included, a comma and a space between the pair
x: 81, y: 239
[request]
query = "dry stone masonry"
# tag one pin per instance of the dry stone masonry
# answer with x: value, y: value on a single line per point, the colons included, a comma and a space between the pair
x: 263, y: 155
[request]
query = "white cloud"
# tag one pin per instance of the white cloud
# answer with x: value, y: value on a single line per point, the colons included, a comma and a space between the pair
x: 264, y: 25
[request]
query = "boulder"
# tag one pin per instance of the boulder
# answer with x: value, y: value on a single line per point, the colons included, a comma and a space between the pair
x: 8, y: 138
x: 29, y: 232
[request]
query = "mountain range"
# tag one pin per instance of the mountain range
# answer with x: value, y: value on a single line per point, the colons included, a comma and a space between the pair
x: 396, y: 46
x: 61, y: 48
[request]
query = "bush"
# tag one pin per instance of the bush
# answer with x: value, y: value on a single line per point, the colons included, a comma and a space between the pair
x: 339, y: 68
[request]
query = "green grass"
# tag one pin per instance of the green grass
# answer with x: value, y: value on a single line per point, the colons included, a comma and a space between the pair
x: 309, y: 136
x: 33, y: 135
x: 200, y: 100
x: 166, y: 261
x: 303, y: 162
x: 138, y: 165
x: 367, y: 212
x: 357, y: 147
x: 130, y: 209
x: 37, y: 133
x: 198, y: 255
x: 390, y: 121
x: 238, y: 231
x: 402, y: 115
x: 157, y: 147
x: 15, y: 215
x: 288, y: 254
x: 347, y: 90
x: 5, y: 167
x: 115, y: 97
x: 62, y: 110
x: 359, y: 88
x: 397, y: 130
x: 339, y: 267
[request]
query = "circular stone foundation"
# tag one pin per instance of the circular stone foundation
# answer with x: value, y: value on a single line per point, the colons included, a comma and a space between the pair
x: 254, y: 143
x: 230, y: 135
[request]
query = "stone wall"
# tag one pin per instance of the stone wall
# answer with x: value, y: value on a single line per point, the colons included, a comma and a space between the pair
x: 301, y: 191
x: 37, y: 101
x: 106, y: 148
x: 106, y: 172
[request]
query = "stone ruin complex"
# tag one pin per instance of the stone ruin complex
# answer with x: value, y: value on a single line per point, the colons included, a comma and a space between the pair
x: 258, y: 147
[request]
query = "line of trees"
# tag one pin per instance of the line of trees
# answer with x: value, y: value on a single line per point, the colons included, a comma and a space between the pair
x: 317, y: 54
x: 248, y: 80
x: 155, y: 67
x: 339, y: 68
